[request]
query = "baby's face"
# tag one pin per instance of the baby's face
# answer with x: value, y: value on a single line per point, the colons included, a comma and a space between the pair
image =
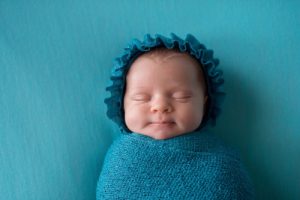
x: 164, y: 97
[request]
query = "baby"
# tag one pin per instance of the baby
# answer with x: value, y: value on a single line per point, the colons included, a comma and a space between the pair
x: 165, y: 93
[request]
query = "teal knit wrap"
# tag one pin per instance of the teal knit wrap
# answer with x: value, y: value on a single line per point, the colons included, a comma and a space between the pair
x: 213, y: 75
x: 191, y: 166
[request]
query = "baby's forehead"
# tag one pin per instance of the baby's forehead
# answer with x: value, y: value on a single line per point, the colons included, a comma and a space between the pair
x: 159, y: 56
x: 189, y: 66
x: 164, y: 54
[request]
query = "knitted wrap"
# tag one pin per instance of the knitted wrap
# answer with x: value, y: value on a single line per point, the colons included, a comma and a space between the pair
x: 191, y: 166
x: 191, y: 45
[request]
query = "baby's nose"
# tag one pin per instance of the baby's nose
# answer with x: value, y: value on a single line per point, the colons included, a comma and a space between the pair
x: 161, y: 105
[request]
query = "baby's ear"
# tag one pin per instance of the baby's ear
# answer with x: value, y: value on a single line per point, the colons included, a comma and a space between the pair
x: 205, y: 99
x: 205, y: 105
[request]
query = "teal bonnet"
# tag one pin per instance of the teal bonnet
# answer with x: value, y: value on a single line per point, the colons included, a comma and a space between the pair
x: 213, y: 75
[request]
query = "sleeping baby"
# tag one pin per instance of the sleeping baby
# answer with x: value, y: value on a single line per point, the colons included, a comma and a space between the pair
x: 165, y: 93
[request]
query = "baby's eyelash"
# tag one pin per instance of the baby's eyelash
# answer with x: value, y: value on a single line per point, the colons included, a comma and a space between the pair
x: 182, y: 97
x: 140, y: 98
x: 186, y: 99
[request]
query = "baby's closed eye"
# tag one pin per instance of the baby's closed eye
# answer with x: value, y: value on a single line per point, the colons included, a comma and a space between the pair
x: 140, y: 97
x: 181, y: 96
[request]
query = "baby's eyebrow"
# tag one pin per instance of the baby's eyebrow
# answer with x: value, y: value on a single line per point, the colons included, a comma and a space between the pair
x: 180, y: 87
x: 183, y: 90
x: 137, y: 90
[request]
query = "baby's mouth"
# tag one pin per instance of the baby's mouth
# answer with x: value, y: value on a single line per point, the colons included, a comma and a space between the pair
x: 164, y: 122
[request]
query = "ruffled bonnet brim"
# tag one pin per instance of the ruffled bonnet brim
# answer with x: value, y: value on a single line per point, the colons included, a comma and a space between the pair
x: 191, y: 45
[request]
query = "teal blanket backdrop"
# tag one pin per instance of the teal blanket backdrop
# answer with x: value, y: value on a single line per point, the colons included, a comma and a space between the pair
x: 55, y: 62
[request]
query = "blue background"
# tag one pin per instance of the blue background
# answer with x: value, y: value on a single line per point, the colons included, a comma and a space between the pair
x: 55, y: 61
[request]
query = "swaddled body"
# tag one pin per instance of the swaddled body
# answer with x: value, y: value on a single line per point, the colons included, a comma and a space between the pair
x: 192, y: 166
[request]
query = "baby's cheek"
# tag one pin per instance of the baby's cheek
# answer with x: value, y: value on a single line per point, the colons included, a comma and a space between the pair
x: 192, y: 117
x: 129, y: 118
x: 133, y: 117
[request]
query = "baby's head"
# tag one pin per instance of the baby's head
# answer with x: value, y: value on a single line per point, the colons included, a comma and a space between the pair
x: 164, y: 87
x: 165, y: 94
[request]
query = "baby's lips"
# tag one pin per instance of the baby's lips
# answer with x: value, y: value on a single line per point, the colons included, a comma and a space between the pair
x: 162, y: 122
x: 161, y: 119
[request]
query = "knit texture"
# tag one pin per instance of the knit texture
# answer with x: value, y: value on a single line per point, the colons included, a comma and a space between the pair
x: 192, y: 166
